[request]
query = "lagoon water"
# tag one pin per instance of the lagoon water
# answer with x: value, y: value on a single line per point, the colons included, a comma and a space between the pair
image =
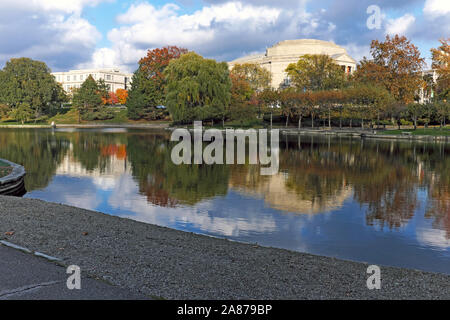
x: 381, y: 202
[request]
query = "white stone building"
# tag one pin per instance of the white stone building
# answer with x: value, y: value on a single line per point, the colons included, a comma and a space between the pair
x: 75, y: 78
x: 277, y: 58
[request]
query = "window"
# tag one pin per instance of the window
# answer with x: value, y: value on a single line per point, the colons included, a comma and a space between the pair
x: 81, y: 77
x: 108, y: 77
x: 349, y: 69
x: 74, y: 78
x: 68, y: 78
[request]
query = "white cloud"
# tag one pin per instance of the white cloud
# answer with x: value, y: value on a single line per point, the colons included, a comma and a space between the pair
x: 437, y: 7
x: 400, y: 25
x: 50, y: 30
x: 222, y: 31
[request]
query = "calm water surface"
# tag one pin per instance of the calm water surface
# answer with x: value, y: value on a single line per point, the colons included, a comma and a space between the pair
x: 381, y: 202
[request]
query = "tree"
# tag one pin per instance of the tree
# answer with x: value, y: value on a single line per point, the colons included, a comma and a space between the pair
x: 415, y: 111
x: 197, y: 88
x: 111, y: 100
x: 149, y: 83
x: 257, y: 77
x: 87, y: 98
x: 442, y: 111
x: 316, y: 72
x: 372, y: 100
x: 441, y: 63
x: 28, y: 82
x: 288, y: 102
x: 22, y: 112
x: 241, y: 99
x: 396, y: 65
x: 103, y: 91
x: 143, y: 98
x: 122, y: 96
x: 269, y: 99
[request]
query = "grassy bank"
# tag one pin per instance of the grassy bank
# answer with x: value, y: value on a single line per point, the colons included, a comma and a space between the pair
x: 70, y: 117
x: 421, y: 131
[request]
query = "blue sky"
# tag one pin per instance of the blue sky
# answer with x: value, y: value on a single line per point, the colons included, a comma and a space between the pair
x: 68, y: 34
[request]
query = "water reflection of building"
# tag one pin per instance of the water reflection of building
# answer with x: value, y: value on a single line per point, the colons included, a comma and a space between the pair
x: 113, y: 163
x: 274, y: 191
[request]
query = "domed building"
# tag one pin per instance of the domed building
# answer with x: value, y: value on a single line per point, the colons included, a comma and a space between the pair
x: 277, y: 58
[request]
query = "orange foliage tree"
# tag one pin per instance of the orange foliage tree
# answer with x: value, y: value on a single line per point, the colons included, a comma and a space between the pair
x: 396, y: 64
x: 122, y: 96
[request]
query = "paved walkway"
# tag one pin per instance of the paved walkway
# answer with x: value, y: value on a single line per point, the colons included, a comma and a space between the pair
x: 24, y: 276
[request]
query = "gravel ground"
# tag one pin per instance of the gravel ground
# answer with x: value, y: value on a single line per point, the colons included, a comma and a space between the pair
x: 171, y: 264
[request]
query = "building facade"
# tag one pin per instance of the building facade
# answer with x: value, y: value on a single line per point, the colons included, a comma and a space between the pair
x: 113, y: 78
x: 431, y: 77
x: 277, y: 58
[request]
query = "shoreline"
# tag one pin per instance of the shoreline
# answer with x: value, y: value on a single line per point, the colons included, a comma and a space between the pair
x: 171, y: 264
x: 356, y: 133
x: 90, y: 126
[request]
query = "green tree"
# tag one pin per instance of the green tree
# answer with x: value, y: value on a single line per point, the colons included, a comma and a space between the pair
x: 197, y: 88
x: 442, y: 111
x: 143, y: 98
x: 103, y: 90
x: 415, y: 112
x: 87, y: 98
x: 22, y: 113
x: 26, y: 81
x: 316, y: 72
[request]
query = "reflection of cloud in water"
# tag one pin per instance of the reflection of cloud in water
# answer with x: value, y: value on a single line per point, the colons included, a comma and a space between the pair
x: 278, y: 196
x: 125, y: 197
x: 433, y: 237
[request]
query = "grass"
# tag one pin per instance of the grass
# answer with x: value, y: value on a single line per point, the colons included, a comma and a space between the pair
x: 68, y: 117
x: 421, y: 131
x: 5, y: 169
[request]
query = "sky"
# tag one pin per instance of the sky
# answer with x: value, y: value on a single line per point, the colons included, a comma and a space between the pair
x: 74, y: 34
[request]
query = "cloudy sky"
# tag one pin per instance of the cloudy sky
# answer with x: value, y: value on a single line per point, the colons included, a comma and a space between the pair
x: 68, y: 34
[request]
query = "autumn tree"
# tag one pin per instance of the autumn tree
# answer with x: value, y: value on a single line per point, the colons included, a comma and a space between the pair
x: 256, y: 76
x: 149, y: 82
x: 316, y: 72
x: 396, y: 64
x: 197, y: 88
x: 122, y: 96
x: 241, y: 97
x: 441, y: 63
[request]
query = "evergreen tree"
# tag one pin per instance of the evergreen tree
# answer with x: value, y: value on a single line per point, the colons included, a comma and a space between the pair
x: 87, y: 98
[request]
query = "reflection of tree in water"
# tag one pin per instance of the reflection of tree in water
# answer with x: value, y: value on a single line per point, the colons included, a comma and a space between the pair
x: 93, y: 149
x: 38, y: 151
x: 382, y: 175
x: 314, y: 171
x: 166, y: 184
x: 438, y: 183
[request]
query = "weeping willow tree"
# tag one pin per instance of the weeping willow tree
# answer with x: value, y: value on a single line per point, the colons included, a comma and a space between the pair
x: 197, y: 88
